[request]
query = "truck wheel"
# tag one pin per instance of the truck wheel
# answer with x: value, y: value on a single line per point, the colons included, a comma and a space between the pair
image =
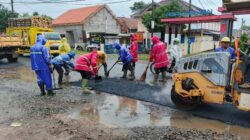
x: 12, y: 60
x: 184, y: 103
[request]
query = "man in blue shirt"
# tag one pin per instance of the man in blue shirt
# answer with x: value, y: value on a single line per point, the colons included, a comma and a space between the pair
x: 63, y: 61
x: 225, y: 41
x: 126, y: 58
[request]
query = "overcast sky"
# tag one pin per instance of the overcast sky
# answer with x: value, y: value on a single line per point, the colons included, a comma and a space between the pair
x: 119, y: 9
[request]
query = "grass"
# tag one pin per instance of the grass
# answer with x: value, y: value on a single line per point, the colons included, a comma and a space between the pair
x: 142, y: 57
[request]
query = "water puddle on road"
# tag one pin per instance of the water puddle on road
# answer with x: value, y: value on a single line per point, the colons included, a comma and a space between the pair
x: 114, y: 111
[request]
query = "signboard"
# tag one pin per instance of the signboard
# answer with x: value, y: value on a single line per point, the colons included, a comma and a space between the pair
x: 192, y: 13
x: 140, y: 37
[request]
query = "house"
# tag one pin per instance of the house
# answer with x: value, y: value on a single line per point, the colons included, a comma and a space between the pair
x: 128, y: 25
x: 87, y: 25
x: 139, y: 14
x: 204, y: 35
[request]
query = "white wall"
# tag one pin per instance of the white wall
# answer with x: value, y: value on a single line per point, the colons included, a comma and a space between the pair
x: 104, y: 22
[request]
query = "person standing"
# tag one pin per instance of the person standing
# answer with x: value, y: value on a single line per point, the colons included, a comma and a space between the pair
x: 133, y: 49
x: 64, y: 47
x: 225, y: 41
x: 40, y: 63
x: 175, y: 53
x: 126, y: 58
x: 159, y: 56
x: 63, y: 62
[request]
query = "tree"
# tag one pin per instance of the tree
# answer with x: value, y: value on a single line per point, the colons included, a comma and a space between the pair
x: 138, y: 6
x: 35, y: 14
x: 243, y: 42
x: 4, y: 15
x: 159, y: 13
x: 25, y: 15
x: 245, y: 27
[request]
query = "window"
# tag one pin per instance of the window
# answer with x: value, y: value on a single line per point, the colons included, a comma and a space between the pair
x: 195, y: 64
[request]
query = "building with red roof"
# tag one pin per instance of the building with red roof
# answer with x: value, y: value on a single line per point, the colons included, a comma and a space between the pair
x: 87, y: 25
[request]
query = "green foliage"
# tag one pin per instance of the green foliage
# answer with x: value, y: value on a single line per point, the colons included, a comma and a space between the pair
x: 245, y: 27
x: 25, y: 15
x: 159, y: 13
x: 243, y: 42
x: 138, y: 6
x: 35, y: 14
x: 4, y: 15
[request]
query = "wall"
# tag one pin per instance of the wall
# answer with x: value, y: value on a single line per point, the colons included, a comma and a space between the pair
x: 69, y: 30
x: 201, y: 44
x: 102, y: 22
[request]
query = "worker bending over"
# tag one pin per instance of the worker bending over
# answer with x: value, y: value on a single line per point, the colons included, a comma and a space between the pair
x: 101, y: 60
x: 87, y: 66
x: 126, y: 58
x: 63, y: 62
x: 64, y: 47
x: 159, y: 56
x: 40, y: 63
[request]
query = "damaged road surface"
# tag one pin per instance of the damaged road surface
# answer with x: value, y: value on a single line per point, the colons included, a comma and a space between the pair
x: 161, y: 95
x: 103, y: 115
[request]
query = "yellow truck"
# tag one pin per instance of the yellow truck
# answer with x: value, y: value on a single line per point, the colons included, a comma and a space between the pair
x: 29, y: 28
x: 9, y: 46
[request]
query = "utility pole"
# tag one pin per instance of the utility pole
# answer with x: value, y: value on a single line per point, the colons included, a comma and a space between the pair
x: 12, y: 7
x: 153, y: 19
x: 189, y: 27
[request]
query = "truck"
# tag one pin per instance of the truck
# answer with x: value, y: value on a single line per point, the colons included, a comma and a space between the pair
x: 9, y: 46
x: 29, y: 28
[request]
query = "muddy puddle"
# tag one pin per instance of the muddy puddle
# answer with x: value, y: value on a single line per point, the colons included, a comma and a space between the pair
x: 121, y: 112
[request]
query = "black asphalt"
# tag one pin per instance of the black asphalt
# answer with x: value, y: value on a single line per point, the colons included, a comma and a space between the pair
x: 161, y: 96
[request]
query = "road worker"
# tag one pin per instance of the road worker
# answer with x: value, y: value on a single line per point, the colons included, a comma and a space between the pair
x: 63, y: 62
x: 126, y: 58
x: 40, y: 63
x: 175, y: 53
x: 101, y: 60
x: 64, y: 47
x: 87, y: 65
x: 225, y: 41
x: 159, y: 56
x: 133, y: 49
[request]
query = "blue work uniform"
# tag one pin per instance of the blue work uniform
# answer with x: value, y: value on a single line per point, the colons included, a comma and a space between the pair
x: 230, y: 50
x: 63, y: 61
x: 40, y: 61
x: 125, y: 57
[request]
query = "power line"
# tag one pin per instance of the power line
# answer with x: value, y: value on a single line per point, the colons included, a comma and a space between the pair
x: 201, y: 4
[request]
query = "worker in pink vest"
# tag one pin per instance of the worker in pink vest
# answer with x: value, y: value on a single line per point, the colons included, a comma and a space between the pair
x: 159, y: 56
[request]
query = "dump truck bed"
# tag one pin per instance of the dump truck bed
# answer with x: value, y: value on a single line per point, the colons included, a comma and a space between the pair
x: 9, y: 46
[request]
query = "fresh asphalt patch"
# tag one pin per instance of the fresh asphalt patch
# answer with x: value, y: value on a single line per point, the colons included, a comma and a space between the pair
x: 161, y: 95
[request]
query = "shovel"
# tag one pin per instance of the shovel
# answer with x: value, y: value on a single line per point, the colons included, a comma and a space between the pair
x: 144, y: 74
x: 107, y: 75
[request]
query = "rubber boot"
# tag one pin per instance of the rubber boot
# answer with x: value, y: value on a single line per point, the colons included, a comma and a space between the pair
x: 124, y: 74
x: 42, y: 89
x: 51, y: 93
x: 154, y: 82
x: 132, y: 77
x: 85, y: 86
x: 164, y: 77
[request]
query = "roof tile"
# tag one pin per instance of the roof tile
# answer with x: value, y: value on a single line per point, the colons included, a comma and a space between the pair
x: 76, y: 16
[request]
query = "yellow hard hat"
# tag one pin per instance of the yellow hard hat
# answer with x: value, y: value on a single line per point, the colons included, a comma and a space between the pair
x: 225, y: 39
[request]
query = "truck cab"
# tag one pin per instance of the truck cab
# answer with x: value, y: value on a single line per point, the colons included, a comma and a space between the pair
x: 53, y: 42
